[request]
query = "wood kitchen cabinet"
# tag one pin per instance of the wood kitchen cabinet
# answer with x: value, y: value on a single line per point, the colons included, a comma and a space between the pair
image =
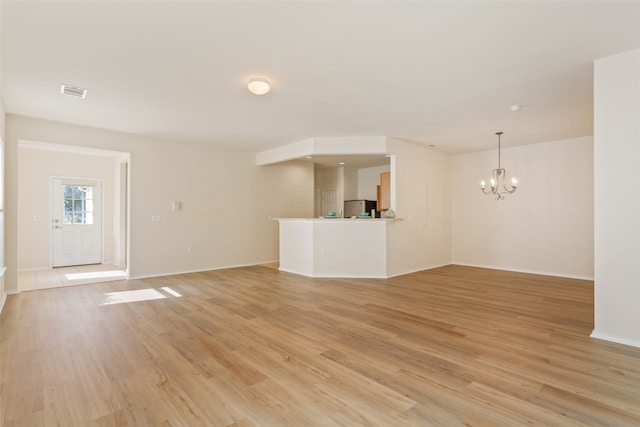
x: 384, y: 191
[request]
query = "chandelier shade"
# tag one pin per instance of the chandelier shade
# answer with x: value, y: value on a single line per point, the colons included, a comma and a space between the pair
x: 498, y: 182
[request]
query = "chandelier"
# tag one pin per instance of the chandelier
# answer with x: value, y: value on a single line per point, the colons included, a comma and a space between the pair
x: 499, y: 187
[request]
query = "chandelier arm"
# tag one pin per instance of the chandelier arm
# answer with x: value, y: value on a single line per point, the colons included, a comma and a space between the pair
x: 509, y: 188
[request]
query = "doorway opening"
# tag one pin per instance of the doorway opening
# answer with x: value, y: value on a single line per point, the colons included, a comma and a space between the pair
x: 73, y: 209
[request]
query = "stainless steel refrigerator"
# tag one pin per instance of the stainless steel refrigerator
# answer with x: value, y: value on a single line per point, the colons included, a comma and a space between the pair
x: 355, y: 207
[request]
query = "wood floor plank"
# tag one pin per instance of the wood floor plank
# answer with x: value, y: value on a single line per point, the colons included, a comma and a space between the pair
x: 254, y: 346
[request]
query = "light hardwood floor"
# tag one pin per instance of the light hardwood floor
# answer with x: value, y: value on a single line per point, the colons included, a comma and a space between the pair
x: 258, y: 347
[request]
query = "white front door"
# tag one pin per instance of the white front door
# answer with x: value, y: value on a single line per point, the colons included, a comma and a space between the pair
x: 77, y: 222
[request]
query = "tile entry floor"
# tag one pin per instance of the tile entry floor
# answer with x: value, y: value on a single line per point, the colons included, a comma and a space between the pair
x: 69, y: 276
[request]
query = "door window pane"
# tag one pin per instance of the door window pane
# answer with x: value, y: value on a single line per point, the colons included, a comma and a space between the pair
x: 78, y: 205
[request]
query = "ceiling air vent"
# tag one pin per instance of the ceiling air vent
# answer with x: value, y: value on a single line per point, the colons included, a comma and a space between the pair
x: 78, y: 92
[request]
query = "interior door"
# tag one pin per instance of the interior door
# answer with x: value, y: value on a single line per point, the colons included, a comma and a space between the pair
x: 76, y: 221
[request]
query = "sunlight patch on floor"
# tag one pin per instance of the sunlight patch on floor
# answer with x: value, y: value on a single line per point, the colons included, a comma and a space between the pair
x: 171, y: 291
x: 138, y: 295
x: 132, y: 296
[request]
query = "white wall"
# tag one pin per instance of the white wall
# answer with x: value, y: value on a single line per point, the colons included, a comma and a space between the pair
x: 2, y: 111
x: 617, y: 198
x: 350, y: 183
x: 2, y: 175
x: 545, y: 227
x: 121, y: 184
x: 422, y: 198
x: 326, y: 178
x: 280, y: 190
x: 361, y: 183
x: 227, y: 199
x: 334, y: 248
x: 368, y: 181
x: 35, y: 168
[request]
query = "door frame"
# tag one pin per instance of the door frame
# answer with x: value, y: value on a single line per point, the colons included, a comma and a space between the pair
x: 77, y: 180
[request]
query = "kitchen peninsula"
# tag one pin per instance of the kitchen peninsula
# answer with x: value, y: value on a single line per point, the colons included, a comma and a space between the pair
x: 335, y: 247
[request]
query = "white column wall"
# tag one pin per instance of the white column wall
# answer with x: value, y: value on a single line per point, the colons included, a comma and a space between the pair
x: 2, y: 167
x: 617, y: 198
x: 421, y: 196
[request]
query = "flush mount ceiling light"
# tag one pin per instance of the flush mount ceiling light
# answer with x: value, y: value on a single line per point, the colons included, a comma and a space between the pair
x: 516, y: 107
x: 498, y: 180
x: 76, y: 91
x: 258, y: 86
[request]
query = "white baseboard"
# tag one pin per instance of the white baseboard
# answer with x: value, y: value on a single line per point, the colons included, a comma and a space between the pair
x: 616, y: 340
x: 516, y: 270
x: 267, y: 262
x: 402, y: 273
x: 334, y: 276
x: 148, y: 276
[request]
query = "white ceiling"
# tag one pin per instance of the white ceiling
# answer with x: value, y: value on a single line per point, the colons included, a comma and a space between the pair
x: 435, y: 73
